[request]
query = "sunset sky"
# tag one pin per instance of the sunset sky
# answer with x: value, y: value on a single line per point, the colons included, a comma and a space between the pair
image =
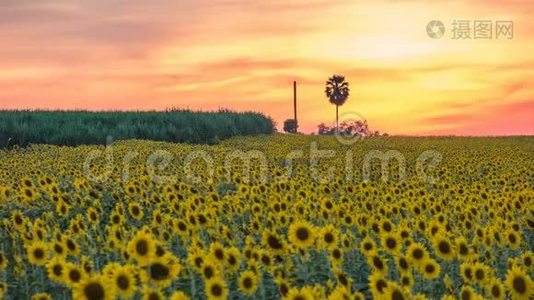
x: 244, y: 55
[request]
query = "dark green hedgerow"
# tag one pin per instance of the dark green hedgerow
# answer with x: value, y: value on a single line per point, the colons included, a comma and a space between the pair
x: 24, y: 127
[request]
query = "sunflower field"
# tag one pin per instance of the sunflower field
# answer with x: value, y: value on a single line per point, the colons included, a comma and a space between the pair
x: 268, y: 228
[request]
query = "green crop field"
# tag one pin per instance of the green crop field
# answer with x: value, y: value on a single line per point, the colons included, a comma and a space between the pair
x: 83, y: 127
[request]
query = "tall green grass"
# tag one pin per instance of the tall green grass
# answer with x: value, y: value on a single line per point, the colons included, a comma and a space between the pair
x: 24, y: 127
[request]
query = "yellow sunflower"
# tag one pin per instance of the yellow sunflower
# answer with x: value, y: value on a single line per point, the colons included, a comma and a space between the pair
x: 443, y: 247
x: 41, y: 296
x: 124, y: 281
x: 328, y: 237
x: 395, y: 292
x: 391, y: 242
x: 151, y: 293
x: 367, y: 245
x: 216, y: 289
x: 161, y: 271
x: 135, y: 210
x: 481, y: 273
x: 299, y: 294
x: 377, y: 263
x: 519, y: 284
x: 417, y: 253
x: 248, y: 283
x: 74, y: 274
x: 37, y: 253
x: 273, y: 242
x: 96, y: 287
x: 56, y: 269
x: 142, y: 248
x: 301, y: 234
x: 430, y: 269
x: 377, y: 284
x: 179, y: 295
x: 495, y: 288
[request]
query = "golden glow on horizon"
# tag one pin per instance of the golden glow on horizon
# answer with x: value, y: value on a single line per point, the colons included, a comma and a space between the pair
x: 244, y: 55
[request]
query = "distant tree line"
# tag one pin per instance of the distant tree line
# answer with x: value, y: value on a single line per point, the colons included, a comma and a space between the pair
x: 24, y: 127
x: 359, y: 127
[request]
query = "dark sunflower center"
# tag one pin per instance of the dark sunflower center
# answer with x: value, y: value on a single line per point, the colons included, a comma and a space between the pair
x: 219, y: 253
x: 381, y: 285
x: 153, y: 296
x: 123, y: 282
x: 466, y: 295
x: 511, y: 238
x: 274, y: 242
x: 198, y: 261
x: 430, y: 269
x: 158, y: 271
x: 495, y: 291
x: 403, y: 263
x: 247, y: 282
x: 141, y: 247
x: 519, y: 285
x: 38, y: 253
x: 343, y: 279
x: 160, y: 251
x: 71, y: 245
x: 94, y: 291
x: 284, y: 289
x: 479, y: 274
x: 336, y: 253
x: 232, y: 260
x: 444, y: 247
x: 468, y: 273
x: 417, y: 253
x: 328, y: 237
x: 378, y: 263
x: 208, y: 272
x: 302, y: 234
x: 75, y: 276
x: 463, y: 249
x: 216, y: 290
x: 397, y: 295
x: 391, y: 243
x: 58, y: 270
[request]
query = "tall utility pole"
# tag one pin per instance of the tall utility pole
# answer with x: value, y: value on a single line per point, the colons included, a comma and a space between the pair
x: 295, y: 104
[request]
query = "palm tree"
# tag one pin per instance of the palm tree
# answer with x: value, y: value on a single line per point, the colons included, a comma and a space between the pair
x: 337, y: 91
